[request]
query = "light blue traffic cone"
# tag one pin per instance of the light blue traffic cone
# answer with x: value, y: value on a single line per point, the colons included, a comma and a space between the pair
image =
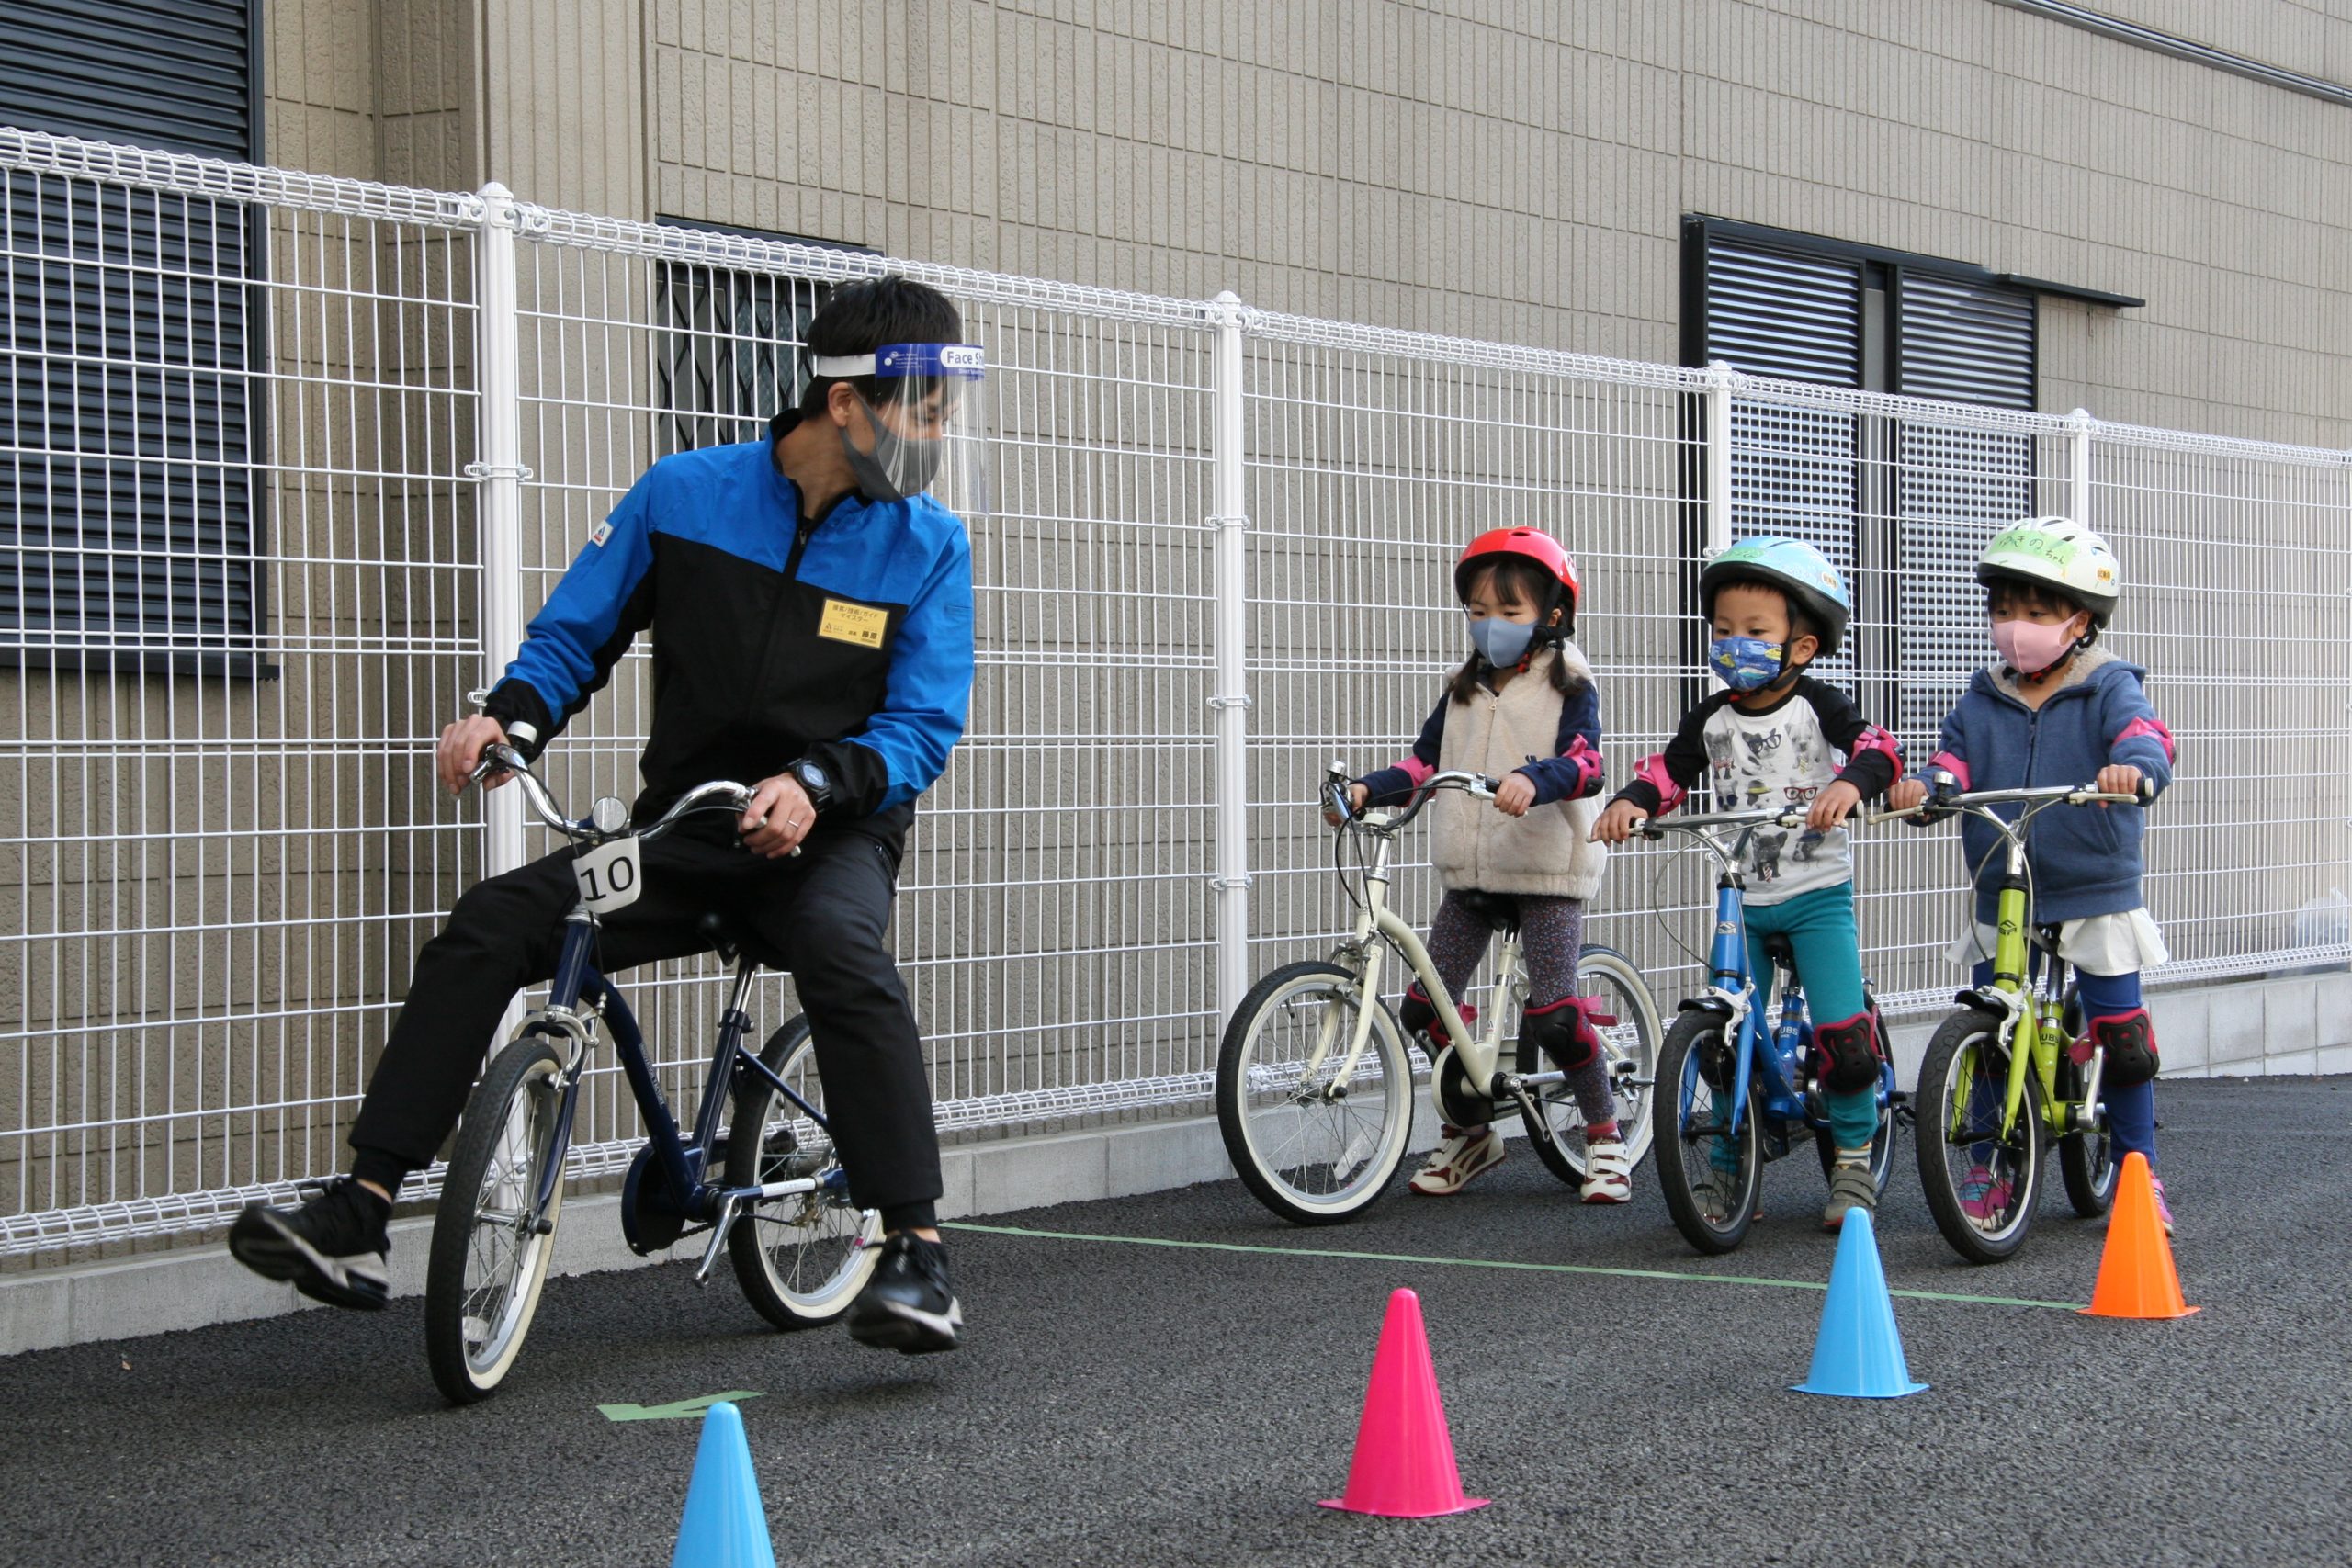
x: 724, y: 1527
x: 1859, y: 1354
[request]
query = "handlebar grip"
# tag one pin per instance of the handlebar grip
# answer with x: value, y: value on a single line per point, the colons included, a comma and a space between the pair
x: 2145, y: 790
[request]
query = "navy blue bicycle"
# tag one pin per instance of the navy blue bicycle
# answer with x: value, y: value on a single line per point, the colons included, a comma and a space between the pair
x: 765, y: 1181
x: 1734, y: 1090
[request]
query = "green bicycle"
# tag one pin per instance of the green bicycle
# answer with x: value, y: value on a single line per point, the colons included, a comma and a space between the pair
x: 2005, y: 1073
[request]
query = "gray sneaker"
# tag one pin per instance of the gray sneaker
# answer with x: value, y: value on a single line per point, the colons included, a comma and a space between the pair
x: 1850, y: 1187
x: 1716, y: 1192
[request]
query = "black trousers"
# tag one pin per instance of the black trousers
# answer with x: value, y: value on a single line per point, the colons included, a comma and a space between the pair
x: 825, y: 913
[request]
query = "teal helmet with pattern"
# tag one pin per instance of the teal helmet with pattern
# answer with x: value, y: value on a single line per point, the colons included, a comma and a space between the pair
x: 1791, y: 566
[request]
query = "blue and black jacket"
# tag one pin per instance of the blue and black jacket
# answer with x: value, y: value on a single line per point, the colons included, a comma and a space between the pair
x: 845, y: 638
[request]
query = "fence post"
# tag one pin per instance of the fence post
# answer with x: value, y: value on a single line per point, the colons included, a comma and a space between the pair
x: 1720, y: 380
x: 1229, y: 633
x: 498, y: 508
x: 2078, y: 466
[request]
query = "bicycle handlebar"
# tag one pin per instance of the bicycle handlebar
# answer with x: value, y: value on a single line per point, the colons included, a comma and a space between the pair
x: 719, y: 793
x: 1334, y: 796
x: 1943, y: 804
x: 1656, y: 826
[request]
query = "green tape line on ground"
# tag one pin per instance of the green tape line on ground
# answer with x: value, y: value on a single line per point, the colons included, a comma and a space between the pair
x: 1493, y: 1263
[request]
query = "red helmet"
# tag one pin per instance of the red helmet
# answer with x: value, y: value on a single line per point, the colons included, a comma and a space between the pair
x: 1537, y: 547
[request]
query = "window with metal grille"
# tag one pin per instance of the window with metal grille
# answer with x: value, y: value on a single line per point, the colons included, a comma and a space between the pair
x: 731, y: 346
x: 1902, y: 507
x: 132, y: 402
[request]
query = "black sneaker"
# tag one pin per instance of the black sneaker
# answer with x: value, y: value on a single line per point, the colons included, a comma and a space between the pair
x: 908, y: 1306
x: 334, y: 1248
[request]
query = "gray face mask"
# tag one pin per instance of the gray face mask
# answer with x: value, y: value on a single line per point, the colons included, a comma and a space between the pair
x: 897, y: 468
x: 1503, y: 643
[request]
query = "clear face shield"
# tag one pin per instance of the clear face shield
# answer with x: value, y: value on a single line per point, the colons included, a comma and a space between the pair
x: 930, y: 430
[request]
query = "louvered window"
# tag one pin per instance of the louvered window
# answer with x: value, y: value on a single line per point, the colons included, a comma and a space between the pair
x: 732, y: 346
x: 128, y: 341
x: 1902, y: 507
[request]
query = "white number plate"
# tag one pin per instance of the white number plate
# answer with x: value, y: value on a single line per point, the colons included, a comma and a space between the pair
x: 610, y: 877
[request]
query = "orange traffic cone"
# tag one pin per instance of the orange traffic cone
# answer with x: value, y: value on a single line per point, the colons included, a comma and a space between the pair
x: 2136, y: 1277
x: 1404, y: 1465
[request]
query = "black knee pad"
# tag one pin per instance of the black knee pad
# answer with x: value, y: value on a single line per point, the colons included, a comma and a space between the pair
x: 1417, y: 1013
x: 1562, y: 1032
x: 1848, y: 1053
x: 2130, y: 1041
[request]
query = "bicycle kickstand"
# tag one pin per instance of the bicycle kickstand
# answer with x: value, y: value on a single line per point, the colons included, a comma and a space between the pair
x: 728, y: 1214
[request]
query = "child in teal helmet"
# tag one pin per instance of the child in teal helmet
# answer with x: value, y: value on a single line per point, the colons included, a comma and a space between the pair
x: 1774, y: 735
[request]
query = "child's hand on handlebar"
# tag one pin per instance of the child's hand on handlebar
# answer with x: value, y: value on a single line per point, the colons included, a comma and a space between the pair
x: 1357, y: 794
x: 1515, y: 794
x: 2118, y: 778
x: 1832, y: 807
x: 1619, y: 823
x: 460, y: 751
x: 1908, y: 795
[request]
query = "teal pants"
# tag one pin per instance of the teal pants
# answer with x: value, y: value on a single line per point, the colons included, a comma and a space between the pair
x: 1821, y: 931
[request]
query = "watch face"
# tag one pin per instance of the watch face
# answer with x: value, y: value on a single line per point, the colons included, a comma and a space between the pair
x: 813, y: 777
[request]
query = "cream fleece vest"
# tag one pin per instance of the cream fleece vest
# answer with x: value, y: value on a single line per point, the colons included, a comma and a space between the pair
x: 1549, y: 849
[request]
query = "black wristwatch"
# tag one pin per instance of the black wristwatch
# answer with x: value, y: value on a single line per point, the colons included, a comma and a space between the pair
x: 815, y: 782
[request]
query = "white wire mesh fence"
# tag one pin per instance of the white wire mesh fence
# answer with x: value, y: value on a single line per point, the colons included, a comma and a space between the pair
x: 285, y: 461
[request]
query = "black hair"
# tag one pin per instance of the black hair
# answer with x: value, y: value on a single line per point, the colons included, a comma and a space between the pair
x: 2039, y: 596
x: 1801, y: 621
x: 858, y: 318
x: 1516, y: 579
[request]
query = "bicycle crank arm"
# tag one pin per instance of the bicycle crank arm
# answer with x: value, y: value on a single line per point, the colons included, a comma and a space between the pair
x: 719, y: 1227
x: 1512, y: 1083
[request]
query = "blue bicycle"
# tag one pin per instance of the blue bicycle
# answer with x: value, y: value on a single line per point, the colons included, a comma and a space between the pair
x: 1736, y: 1081
x: 780, y: 1201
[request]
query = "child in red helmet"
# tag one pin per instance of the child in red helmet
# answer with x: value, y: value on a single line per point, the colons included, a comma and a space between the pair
x: 1521, y: 708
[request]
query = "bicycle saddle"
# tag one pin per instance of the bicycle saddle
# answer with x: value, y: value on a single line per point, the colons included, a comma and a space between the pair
x: 1499, y: 910
x: 1781, y: 952
x: 731, y: 942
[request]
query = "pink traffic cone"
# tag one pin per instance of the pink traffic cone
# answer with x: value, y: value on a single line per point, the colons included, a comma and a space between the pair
x: 1404, y: 1466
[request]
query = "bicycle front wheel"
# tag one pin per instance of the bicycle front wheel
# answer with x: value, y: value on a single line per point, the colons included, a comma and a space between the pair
x: 1314, y: 1149
x: 1711, y: 1176
x: 1982, y: 1182
x: 1631, y: 1046
x: 802, y: 1260
x: 491, y: 1240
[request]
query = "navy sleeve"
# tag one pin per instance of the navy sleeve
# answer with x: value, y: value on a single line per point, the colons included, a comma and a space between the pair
x: 1573, y: 771
x: 1392, y: 784
x: 1873, y: 756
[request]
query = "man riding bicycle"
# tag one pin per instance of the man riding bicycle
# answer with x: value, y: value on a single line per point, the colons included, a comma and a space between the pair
x: 812, y: 612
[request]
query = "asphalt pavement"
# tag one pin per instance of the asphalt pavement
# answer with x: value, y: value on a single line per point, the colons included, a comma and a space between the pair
x: 1127, y: 1401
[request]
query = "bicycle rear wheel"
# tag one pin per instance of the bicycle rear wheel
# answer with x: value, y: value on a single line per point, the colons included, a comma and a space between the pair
x: 490, y: 1245
x: 1711, y: 1177
x: 1632, y: 1042
x: 1310, y: 1148
x: 800, y: 1260
x: 1981, y: 1183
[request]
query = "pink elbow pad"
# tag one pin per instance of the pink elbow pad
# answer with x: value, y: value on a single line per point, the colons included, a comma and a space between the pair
x: 1952, y: 765
x: 2155, y: 727
x: 1653, y: 772
x: 1874, y: 739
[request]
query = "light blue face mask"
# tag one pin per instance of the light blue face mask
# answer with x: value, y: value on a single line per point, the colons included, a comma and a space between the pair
x: 1501, y: 643
x: 1746, y: 663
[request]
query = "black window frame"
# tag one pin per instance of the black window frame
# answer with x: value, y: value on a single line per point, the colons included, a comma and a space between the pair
x: 240, y: 655
x: 674, y: 425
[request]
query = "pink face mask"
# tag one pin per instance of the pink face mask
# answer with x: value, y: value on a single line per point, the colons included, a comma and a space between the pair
x: 2028, y: 647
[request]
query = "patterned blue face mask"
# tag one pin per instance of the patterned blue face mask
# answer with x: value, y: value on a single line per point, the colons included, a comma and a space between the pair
x: 1501, y: 643
x: 1746, y: 663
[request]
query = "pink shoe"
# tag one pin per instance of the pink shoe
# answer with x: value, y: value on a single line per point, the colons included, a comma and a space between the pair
x: 1984, y: 1197
x: 2163, y: 1209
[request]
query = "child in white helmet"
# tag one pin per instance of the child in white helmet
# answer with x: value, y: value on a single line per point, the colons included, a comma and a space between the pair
x: 2056, y: 708
x: 1522, y: 708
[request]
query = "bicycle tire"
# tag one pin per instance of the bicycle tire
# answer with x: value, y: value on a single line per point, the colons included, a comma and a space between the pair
x: 1285, y: 1172
x: 1681, y: 1076
x: 815, y: 1281
x: 470, y: 1352
x: 1633, y: 1043
x: 1938, y: 1144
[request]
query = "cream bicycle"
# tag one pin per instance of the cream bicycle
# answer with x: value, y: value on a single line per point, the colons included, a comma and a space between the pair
x: 1315, y: 1087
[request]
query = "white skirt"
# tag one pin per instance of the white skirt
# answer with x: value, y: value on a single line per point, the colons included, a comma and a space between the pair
x: 2100, y: 944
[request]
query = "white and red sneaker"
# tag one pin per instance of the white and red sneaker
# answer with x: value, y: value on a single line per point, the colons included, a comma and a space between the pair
x: 1608, y: 1174
x: 1461, y: 1154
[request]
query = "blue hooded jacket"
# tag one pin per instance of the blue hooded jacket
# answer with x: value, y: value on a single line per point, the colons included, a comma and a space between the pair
x: 2085, y: 861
